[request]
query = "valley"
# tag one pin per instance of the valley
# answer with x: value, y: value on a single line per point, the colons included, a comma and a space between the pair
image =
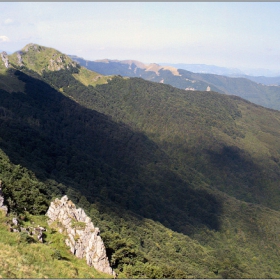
x: 263, y: 91
x: 181, y: 183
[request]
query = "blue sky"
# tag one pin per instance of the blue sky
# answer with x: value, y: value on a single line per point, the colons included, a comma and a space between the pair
x: 229, y: 34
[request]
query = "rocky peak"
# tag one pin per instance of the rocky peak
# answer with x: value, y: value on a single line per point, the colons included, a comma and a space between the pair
x: 5, y: 59
x: 82, y: 237
x: 40, y: 58
x: 33, y: 47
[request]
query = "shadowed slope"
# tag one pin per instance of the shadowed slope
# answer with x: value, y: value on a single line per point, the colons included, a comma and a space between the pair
x: 192, y: 127
x: 159, y: 152
x: 102, y: 159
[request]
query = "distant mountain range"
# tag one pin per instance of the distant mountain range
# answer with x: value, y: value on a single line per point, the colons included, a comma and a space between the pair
x: 208, y: 69
x: 260, y: 76
x: 182, y: 183
x: 253, y: 89
x: 233, y: 72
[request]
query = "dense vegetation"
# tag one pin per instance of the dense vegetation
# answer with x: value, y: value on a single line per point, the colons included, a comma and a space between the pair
x: 203, y: 130
x: 247, y: 88
x: 132, y: 70
x: 182, y: 184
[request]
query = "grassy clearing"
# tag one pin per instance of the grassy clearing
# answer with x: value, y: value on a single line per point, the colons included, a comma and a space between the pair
x: 51, y: 259
x: 88, y: 77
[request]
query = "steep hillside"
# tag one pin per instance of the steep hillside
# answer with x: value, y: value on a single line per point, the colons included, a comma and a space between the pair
x: 39, y: 59
x: 182, y: 184
x: 267, y: 96
x: 22, y: 257
x: 247, y: 88
x: 151, y: 72
x: 206, y: 131
x: 269, y: 81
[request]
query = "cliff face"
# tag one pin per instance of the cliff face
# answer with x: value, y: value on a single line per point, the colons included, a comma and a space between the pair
x: 2, y: 206
x: 5, y: 59
x: 83, y: 238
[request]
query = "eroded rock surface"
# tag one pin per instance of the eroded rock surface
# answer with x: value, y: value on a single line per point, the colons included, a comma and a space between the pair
x: 33, y: 231
x: 19, y: 57
x: 83, y: 238
x: 2, y: 206
x: 5, y: 59
x: 59, y: 61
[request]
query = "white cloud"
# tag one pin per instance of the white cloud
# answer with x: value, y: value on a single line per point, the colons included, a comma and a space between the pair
x: 4, y: 38
x: 9, y: 21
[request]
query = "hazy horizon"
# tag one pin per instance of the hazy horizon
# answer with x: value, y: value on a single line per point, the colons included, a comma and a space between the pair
x: 239, y: 35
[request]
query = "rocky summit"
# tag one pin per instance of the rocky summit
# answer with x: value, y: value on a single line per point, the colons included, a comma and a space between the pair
x: 83, y: 238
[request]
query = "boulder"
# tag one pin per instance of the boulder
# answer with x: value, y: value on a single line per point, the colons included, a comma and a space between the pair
x: 82, y: 237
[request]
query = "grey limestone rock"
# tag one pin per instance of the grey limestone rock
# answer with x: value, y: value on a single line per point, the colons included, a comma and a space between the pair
x: 82, y: 237
x: 19, y: 57
x: 15, y: 221
x: 38, y: 232
x: 5, y: 59
x: 2, y: 206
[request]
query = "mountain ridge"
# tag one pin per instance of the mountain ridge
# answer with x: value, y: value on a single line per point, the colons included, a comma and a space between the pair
x: 245, y: 87
x: 183, y: 184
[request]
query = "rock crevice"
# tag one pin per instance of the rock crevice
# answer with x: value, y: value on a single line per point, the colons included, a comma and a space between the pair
x: 82, y: 237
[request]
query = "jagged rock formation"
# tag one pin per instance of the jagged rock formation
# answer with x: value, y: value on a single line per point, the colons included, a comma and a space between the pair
x: 59, y: 61
x: 83, y: 238
x: 19, y: 57
x: 5, y: 59
x: 2, y: 206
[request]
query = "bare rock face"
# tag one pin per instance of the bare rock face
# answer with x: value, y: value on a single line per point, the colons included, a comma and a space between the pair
x: 59, y: 61
x: 2, y: 206
x: 83, y: 238
x: 19, y: 57
x: 5, y: 59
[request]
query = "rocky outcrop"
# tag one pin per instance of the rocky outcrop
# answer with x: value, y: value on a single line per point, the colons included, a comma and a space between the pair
x: 15, y: 225
x: 60, y: 61
x: 2, y: 206
x: 32, y: 231
x: 5, y: 59
x: 82, y: 237
x: 33, y: 47
x: 19, y: 57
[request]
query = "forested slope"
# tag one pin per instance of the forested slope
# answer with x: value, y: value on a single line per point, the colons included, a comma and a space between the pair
x: 247, y: 88
x: 181, y: 183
